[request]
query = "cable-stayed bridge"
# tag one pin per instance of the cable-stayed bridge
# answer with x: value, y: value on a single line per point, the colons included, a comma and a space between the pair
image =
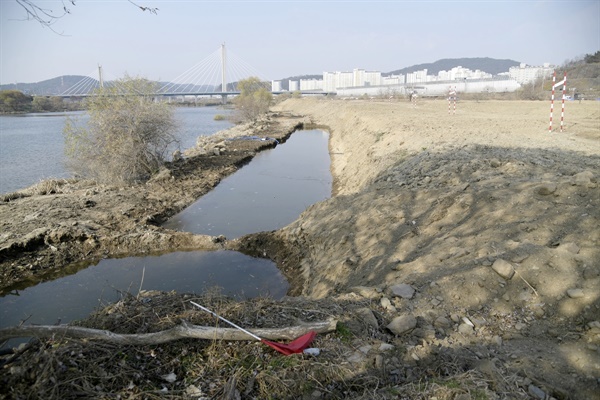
x: 216, y: 75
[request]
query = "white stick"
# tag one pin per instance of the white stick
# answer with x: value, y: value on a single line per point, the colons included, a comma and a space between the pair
x: 229, y: 322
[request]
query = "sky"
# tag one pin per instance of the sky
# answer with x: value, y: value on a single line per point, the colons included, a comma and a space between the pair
x: 280, y: 39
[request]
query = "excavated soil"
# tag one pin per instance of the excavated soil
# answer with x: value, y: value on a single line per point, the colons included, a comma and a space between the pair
x: 460, y: 254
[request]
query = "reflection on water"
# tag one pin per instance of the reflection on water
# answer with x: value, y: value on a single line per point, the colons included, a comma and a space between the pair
x: 75, y: 296
x: 267, y: 194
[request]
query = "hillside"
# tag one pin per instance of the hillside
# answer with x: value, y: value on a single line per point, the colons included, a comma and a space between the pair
x: 48, y: 87
x: 490, y: 65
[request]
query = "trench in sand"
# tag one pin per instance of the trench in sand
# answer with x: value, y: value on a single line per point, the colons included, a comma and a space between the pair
x: 267, y: 194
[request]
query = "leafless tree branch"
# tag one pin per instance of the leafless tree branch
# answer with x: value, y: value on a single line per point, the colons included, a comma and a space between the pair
x: 47, y: 17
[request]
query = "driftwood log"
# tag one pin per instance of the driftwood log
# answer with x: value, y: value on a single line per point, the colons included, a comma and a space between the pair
x: 183, y: 331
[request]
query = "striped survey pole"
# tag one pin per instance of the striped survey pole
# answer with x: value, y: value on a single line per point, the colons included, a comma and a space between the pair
x: 552, y: 101
x: 562, y: 112
x: 554, y: 86
x: 451, y: 98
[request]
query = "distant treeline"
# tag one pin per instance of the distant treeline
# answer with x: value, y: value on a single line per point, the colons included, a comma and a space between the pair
x: 14, y: 101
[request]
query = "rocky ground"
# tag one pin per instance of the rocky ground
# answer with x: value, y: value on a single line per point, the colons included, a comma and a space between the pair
x: 460, y: 254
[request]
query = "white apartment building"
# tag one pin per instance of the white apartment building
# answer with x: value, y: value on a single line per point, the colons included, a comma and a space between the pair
x: 460, y: 73
x: 294, y: 86
x: 356, y: 78
x: 393, y: 80
x: 276, y: 86
x: 526, y: 74
x: 311, y: 84
x: 417, y: 76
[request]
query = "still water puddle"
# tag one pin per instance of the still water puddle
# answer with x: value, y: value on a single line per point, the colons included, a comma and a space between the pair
x: 267, y: 194
x: 75, y: 296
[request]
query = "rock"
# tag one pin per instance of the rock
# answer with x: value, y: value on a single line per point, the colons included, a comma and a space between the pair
x: 520, y: 326
x: 536, y: 392
x: 546, y: 188
x: 366, y: 348
x: 465, y: 329
x: 379, y: 361
x: 442, y: 322
x: 570, y: 247
x: 594, y: 324
x: 357, y: 358
x: 497, y: 340
x: 387, y: 304
x: 503, y: 268
x: 366, y: 292
x: 402, y: 290
x: 402, y: 324
x: 584, y: 178
x: 386, y: 347
x: 591, y: 273
x: 575, y: 293
x: 367, y: 316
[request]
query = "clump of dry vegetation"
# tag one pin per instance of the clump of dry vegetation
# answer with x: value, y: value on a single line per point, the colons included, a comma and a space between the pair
x: 65, y: 368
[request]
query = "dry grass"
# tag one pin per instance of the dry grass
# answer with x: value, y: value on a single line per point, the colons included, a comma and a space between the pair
x: 64, y: 369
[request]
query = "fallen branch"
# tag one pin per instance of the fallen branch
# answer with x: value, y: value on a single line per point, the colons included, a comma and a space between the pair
x: 183, y: 331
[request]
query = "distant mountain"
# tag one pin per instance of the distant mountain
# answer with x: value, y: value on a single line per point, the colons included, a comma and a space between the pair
x: 492, y: 66
x: 48, y: 87
x: 70, y: 83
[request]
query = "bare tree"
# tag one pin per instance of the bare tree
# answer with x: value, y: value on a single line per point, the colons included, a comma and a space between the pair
x: 47, y: 17
x: 128, y: 135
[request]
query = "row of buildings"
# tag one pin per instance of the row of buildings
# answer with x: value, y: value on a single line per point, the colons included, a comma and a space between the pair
x: 360, y: 78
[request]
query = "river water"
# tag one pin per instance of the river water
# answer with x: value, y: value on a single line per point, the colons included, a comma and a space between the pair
x: 32, y: 145
x: 268, y: 193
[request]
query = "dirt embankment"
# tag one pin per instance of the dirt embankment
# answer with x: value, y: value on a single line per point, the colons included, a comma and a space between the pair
x: 492, y: 221
x: 460, y: 253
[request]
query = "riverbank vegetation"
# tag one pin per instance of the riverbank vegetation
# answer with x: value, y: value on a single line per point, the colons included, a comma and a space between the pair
x: 17, y: 102
x: 127, y: 137
x: 254, y: 99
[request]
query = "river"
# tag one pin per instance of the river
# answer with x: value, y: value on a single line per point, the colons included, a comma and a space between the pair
x: 32, y: 145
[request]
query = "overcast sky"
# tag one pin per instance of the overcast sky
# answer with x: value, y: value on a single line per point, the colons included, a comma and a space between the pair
x: 279, y: 39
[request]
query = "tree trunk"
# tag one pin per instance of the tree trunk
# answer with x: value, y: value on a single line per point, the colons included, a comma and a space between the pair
x: 183, y: 331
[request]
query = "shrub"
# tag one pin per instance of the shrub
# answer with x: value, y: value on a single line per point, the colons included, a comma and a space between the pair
x: 128, y: 135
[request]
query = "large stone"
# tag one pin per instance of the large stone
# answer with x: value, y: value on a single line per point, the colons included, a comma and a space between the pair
x: 503, y: 268
x: 570, y: 247
x: 402, y: 290
x: 575, y: 293
x: 402, y: 324
x: 585, y: 178
x: 367, y: 316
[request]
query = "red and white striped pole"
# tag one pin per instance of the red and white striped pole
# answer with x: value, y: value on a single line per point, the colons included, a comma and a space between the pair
x: 552, y: 102
x: 454, y: 100
x: 554, y: 85
x: 562, y: 112
x: 451, y: 97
